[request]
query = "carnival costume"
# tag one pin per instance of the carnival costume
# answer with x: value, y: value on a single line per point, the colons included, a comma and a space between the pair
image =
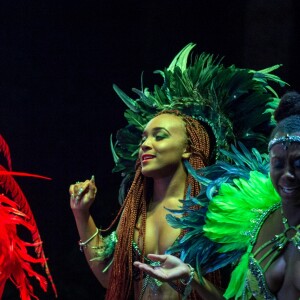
x: 16, y: 258
x: 235, y: 201
x: 232, y: 104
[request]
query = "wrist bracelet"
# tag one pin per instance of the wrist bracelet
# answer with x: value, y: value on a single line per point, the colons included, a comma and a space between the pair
x: 84, y: 244
x: 192, y: 273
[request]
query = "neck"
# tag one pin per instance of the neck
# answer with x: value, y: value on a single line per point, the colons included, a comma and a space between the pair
x: 292, y: 212
x: 169, y: 187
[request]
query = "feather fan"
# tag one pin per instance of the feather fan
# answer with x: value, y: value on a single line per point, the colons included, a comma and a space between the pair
x: 17, y: 261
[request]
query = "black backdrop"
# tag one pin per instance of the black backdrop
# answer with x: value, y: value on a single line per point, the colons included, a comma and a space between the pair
x: 58, y: 61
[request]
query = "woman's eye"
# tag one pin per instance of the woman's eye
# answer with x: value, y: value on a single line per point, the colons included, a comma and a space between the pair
x: 297, y: 163
x: 277, y: 164
x: 159, y: 137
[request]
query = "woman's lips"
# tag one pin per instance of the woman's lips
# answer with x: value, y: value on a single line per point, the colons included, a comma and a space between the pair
x: 146, y: 157
x: 289, y: 190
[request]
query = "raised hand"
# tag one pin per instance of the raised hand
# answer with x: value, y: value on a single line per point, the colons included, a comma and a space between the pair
x: 82, y: 194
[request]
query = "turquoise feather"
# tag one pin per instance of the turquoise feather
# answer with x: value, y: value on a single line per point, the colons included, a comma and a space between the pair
x: 214, y: 235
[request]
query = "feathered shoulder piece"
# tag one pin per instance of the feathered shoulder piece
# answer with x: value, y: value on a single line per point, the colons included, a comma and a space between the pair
x: 233, y: 103
x: 19, y: 258
x: 233, y: 199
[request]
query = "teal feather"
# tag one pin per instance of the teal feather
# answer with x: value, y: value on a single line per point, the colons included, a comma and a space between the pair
x: 126, y: 99
x: 181, y: 58
x: 237, y: 104
x: 135, y: 119
x: 115, y: 156
x: 196, y: 247
x: 143, y: 98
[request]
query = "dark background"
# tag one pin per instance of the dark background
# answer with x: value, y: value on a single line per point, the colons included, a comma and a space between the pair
x: 58, y: 61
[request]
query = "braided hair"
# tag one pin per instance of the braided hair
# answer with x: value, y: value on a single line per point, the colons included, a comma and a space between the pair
x: 135, y: 206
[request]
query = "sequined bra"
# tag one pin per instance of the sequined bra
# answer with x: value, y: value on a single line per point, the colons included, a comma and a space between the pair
x: 153, y: 283
x: 256, y: 281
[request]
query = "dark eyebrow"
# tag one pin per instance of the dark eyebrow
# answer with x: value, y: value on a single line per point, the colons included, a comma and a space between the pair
x: 156, y: 129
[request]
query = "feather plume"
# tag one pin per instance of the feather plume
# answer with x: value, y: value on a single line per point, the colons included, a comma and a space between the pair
x: 4, y: 149
x: 236, y: 104
x: 216, y: 235
x: 15, y: 259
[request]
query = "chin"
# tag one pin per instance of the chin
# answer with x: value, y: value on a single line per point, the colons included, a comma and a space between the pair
x: 153, y: 174
x: 148, y: 173
x: 156, y: 173
x: 289, y: 197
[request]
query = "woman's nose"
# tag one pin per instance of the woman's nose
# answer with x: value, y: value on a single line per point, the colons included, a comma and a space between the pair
x: 288, y: 174
x: 145, y: 145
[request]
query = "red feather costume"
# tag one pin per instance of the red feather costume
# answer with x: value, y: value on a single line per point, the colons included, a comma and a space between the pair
x: 16, y: 259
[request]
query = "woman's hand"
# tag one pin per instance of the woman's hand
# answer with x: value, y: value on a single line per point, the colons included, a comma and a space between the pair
x: 170, y: 268
x: 82, y: 194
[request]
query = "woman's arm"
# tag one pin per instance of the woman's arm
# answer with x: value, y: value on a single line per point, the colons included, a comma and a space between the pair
x: 82, y: 196
x: 172, y: 268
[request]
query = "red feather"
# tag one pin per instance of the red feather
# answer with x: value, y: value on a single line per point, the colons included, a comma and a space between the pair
x: 4, y: 149
x: 15, y: 260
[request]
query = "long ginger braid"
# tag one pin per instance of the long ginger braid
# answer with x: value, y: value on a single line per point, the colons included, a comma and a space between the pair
x: 199, y: 144
x: 200, y: 148
x: 120, y: 282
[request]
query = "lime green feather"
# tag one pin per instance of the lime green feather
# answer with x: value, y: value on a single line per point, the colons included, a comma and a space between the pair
x: 247, y: 198
x: 237, y: 282
x: 180, y: 60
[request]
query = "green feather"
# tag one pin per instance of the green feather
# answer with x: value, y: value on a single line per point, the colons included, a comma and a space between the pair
x: 115, y: 156
x: 135, y: 119
x: 237, y: 104
x: 126, y: 99
x: 180, y: 59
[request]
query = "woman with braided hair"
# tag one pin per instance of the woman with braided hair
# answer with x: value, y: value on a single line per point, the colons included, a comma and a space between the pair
x: 260, y: 214
x: 177, y: 128
x: 160, y: 181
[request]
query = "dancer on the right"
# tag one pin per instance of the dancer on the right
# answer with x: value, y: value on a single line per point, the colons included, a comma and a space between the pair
x: 252, y: 219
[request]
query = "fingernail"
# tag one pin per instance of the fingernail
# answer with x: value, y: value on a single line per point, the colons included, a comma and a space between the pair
x: 79, y: 192
x: 93, y: 178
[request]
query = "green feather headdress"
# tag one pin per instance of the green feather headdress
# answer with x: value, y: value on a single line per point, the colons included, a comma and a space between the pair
x: 236, y: 104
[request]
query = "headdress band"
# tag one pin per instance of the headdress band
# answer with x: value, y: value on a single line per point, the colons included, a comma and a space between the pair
x: 284, y: 140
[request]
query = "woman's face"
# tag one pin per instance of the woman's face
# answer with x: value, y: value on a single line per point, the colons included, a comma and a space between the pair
x: 163, y: 146
x: 285, y: 170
